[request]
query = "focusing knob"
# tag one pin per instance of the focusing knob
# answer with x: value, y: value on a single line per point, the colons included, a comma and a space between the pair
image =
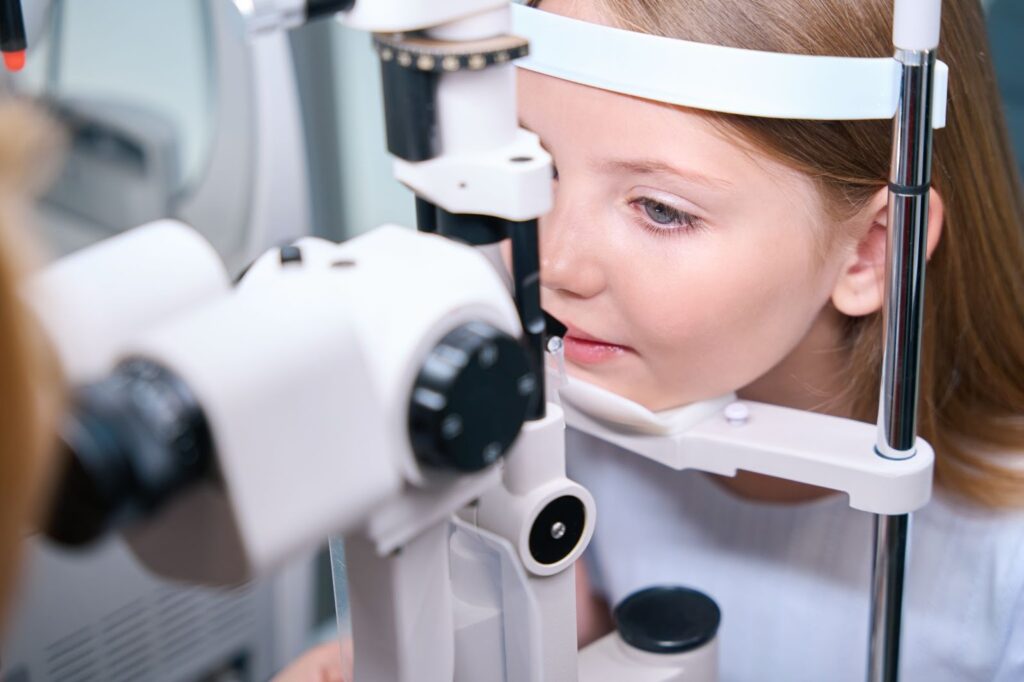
x: 667, y: 620
x: 470, y: 398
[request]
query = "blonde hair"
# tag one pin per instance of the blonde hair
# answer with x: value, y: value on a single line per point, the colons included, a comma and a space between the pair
x: 972, y: 367
x: 27, y: 388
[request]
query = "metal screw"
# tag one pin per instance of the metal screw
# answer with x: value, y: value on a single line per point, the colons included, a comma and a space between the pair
x: 558, y: 530
x: 555, y: 344
x: 492, y: 452
x: 451, y: 427
x: 737, y: 414
x: 527, y: 384
x: 488, y: 356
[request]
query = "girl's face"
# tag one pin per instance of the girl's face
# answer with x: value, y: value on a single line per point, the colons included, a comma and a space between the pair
x: 684, y: 265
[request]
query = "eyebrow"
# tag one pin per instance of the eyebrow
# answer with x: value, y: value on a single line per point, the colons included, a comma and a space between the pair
x: 653, y: 166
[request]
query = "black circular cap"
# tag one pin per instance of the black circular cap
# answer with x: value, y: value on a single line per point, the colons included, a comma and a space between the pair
x: 667, y: 620
x: 557, y: 529
x: 470, y: 398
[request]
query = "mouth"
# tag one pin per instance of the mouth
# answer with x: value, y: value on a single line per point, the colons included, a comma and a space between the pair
x: 583, y: 348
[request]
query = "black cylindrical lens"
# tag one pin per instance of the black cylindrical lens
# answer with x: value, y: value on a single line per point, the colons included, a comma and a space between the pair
x: 131, y: 443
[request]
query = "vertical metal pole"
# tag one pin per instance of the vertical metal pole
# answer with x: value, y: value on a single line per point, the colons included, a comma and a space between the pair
x: 909, y: 184
x: 890, y: 551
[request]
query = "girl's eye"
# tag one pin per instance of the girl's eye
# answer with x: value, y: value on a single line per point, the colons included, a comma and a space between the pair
x: 664, y: 218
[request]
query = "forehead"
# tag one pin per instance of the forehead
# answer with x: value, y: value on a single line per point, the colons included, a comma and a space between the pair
x: 580, y: 123
x: 587, y: 10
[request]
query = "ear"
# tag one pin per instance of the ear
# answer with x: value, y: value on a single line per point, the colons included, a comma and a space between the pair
x: 860, y: 288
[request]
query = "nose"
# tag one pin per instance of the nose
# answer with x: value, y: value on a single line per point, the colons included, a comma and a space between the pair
x: 569, y: 253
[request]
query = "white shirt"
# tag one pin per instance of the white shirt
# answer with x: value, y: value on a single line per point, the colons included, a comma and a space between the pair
x: 792, y: 581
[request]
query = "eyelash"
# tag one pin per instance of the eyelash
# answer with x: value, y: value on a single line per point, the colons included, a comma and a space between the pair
x: 682, y: 222
x: 687, y: 222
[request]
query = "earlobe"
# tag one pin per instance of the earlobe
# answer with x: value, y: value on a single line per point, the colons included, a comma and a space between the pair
x: 860, y: 288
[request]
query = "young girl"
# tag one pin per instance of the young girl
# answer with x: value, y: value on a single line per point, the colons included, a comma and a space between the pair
x: 692, y: 253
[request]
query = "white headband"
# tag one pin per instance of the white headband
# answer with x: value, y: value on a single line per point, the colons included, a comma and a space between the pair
x: 714, y: 77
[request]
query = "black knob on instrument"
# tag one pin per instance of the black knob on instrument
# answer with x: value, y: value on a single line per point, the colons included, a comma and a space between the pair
x: 667, y: 620
x: 470, y: 398
x: 131, y: 442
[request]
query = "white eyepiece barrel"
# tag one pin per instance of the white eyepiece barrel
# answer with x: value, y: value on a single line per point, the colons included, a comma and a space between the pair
x: 915, y: 24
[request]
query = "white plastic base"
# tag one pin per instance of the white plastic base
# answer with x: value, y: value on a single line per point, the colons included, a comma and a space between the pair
x: 610, y: 659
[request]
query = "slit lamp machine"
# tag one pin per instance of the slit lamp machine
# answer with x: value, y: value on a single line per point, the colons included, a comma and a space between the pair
x: 392, y: 391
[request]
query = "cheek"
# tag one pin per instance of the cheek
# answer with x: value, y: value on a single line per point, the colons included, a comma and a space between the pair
x: 727, y: 313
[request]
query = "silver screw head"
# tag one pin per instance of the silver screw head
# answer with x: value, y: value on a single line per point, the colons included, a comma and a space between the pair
x: 451, y: 427
x: 488, y: 356
x: 737, y: 413
x: 492, y: 452
x: 558, y: 530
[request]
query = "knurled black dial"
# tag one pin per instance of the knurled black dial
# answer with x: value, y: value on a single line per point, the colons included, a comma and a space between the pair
x: 470, y: 398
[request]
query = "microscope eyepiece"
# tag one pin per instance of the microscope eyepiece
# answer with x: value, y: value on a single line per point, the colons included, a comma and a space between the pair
x: 131, y: 441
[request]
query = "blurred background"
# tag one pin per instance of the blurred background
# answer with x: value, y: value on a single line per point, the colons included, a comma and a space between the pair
x: 173, y: 113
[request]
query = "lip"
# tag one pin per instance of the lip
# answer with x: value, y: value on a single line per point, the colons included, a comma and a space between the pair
x: 587, y: 349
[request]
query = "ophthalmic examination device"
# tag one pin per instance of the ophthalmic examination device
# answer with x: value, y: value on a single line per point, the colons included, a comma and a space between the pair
x: 392, y: 391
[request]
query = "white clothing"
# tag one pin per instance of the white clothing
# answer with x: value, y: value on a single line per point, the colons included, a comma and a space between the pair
x: 793, y: 580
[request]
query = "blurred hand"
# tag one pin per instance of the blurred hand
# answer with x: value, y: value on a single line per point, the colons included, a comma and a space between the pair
x: 327, y: 662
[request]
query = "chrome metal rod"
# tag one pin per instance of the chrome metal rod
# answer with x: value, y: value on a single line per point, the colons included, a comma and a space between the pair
x: 891, y: 536
x: 909, y: 184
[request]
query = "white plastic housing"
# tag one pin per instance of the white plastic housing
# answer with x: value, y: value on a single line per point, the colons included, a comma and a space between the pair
x: 271, y: 15
x: 916, y: 24
x: 402, y: 609
x: 487, y: 165
x: 511, y: 182
x: 498, y: 631
x: 403, y: 292
x: 476, y: 110
x: 806, y: 447
x: 299, y: 440
x: 390, y: 16
x: 95, y: 300
x: 534, y: 475
x: 305, y: 373
x: 610, y: 659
